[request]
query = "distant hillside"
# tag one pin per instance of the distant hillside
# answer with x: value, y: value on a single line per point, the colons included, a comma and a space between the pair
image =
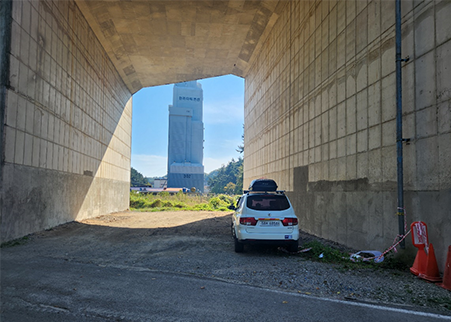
x: 137, y: 179
x: 212, y: 174
x: 227, y: 179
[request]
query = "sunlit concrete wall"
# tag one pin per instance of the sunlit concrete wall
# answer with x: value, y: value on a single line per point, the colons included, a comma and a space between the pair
x: 67, y: 132
x: 320, y: 118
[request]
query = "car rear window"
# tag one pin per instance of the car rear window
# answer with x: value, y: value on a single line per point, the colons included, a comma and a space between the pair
x: 268, y: 202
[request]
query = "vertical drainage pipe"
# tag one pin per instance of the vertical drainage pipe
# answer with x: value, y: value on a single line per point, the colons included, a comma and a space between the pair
x: 399, y: 139
x: 5, y: 50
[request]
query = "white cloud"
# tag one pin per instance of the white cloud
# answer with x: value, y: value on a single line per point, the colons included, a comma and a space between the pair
x: 150, y: 165
x: 221, y: 146
x: 229, y: 112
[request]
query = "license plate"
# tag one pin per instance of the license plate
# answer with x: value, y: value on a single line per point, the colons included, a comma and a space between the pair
x: 268, y: 223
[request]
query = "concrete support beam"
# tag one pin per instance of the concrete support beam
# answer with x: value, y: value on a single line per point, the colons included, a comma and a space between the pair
x: 163, y: 42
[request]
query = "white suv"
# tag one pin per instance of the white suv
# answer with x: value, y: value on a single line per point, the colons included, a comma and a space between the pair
x: 264, y: 215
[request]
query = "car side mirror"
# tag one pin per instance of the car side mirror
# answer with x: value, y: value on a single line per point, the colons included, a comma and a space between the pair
x: 232, y: 207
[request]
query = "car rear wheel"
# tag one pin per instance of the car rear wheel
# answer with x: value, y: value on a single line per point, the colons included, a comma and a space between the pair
x: 293, y: 247
x: 239, y: 247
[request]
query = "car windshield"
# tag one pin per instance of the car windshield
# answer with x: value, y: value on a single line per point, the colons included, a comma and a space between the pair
x: 268, y: 202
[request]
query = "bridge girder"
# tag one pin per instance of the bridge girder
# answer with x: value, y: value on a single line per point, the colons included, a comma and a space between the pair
x: 162, y: 42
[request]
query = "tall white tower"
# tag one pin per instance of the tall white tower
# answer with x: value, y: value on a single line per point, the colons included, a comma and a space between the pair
x: 186, y: 137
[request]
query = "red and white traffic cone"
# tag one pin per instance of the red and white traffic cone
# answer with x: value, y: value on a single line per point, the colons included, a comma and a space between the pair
x: 432, y: 274
x: 447, y: 274
x: 420, y: 263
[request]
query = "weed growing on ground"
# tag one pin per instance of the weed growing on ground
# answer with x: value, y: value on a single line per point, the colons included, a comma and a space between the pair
x: 443, y: 301
x: 323, y: 253
x: 164, y: 201
x: 15, y: 242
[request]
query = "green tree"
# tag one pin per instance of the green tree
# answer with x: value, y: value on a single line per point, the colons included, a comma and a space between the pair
x: 239, y: 180
x: 230, y: 188
x: 241, y: 147
x: 228, y: 179
x: 230, y: 173
x: 137, y: 179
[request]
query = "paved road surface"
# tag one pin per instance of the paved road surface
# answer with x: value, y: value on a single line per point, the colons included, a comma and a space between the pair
x: 59, y: 290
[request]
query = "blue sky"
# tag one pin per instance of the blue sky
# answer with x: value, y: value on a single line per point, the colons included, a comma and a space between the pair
x: 223, y: 122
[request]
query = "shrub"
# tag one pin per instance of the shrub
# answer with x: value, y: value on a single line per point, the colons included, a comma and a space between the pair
x: 227, y: 199
x: 137, y: 203
x: 181, y: 196
x: 202, y: 206
x: 180, y: 201
x: 156, y: 203
x: 167, y: 204
x: 214, y: 202
x: 329, y: 254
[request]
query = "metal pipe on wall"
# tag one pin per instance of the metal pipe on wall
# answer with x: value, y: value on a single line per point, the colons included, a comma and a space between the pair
x: 399, y: 139
x: 5, y: 49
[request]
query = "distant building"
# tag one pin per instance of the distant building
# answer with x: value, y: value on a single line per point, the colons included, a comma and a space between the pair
x: 186, y: 137
x: 154, y: 191
x: 160, y: 183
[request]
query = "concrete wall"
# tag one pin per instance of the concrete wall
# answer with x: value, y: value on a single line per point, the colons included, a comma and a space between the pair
x: 320, y: 113
x: 67, y: 126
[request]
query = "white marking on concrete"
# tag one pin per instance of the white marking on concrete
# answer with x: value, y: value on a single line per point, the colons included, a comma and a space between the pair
x: 371, y: 306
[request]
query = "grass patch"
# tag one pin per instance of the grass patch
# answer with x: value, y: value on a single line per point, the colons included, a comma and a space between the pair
x: 442, y: 301
x: 15, y: 242
x: 164, y: 201
x: 333, y: 255
x: 327, y: 253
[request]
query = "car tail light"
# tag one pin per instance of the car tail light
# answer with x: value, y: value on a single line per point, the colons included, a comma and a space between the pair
x: 248, y: 221
x: 290, y: 221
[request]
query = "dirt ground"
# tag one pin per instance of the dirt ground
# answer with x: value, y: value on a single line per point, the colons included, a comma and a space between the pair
x: 153, y: 220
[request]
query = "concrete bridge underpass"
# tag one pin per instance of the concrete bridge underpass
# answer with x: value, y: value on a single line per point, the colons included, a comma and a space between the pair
x: 320, y: 105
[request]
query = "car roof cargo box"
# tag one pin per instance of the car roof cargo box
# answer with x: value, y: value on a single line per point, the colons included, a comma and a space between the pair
x: 263, y: 185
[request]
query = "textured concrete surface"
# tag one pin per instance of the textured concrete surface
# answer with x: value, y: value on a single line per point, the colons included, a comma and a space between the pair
x: 67, y: 123
x: 320, y: 118
x: 163, y: 42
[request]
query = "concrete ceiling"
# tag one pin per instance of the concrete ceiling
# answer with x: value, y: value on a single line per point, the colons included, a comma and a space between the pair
x: 163, y: 42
